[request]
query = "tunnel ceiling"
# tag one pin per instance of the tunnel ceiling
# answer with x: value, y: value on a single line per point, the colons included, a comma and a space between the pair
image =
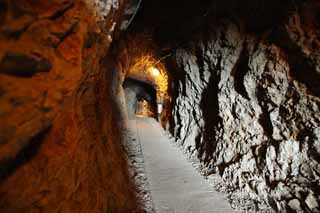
x: 173, y: 21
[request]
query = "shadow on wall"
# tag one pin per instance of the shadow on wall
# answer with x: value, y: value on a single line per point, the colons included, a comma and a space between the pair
x: 141, y: 98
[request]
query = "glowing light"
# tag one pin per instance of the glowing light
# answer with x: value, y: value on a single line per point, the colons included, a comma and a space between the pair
x: 155, y: 71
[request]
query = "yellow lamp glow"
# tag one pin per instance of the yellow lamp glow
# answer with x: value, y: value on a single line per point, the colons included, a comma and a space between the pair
x: 155, y: 71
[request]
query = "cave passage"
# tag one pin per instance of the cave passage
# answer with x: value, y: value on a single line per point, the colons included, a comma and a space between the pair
x: 167, y: 106
x: 172, y: 182
x: 141, y: 98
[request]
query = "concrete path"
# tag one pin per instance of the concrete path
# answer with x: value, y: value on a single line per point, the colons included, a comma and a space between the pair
x: 175, y: 185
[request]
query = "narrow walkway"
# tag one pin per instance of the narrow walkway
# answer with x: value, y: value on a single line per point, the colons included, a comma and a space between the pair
x: 176, y: 186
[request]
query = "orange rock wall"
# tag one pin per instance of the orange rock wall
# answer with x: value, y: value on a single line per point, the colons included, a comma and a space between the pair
x: 60, y: 143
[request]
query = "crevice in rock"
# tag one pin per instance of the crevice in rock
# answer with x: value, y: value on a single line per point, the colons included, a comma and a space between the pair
x: 209, y: 105
x: 9, y: 166
x: 265, y: 121
x: 66, y: 6
x: 62, y: 36
x: 313, y: 150
x: 15, y: 28
x: 264, y: 118
x: 200, y: 62
x: 24, y: 65
x: 239, y: 71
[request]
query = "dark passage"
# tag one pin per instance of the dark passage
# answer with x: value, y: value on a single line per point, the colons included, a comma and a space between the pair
x: 141, y: 98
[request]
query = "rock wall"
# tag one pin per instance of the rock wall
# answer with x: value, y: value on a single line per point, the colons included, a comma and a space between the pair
x: 247, y: 106
x: 60, y: 115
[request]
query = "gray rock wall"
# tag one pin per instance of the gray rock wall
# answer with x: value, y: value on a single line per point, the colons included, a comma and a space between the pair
x: 247, y: 107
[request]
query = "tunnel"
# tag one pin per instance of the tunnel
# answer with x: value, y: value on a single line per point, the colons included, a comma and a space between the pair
x: 141, y: 98
x: 133, y: 106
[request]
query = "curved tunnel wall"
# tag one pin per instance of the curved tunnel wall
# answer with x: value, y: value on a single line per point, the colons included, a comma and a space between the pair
x: 60, y: 115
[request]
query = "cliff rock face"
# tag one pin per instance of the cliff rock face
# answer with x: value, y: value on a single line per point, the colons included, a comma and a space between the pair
x: 247, y: 106
x: 60, y: 139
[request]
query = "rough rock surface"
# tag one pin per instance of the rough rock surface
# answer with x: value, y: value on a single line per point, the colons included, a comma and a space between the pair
x: 60, y: 138
x: 247, y: 106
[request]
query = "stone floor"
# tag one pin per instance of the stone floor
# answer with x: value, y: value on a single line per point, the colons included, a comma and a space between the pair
x: 175, y: 185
